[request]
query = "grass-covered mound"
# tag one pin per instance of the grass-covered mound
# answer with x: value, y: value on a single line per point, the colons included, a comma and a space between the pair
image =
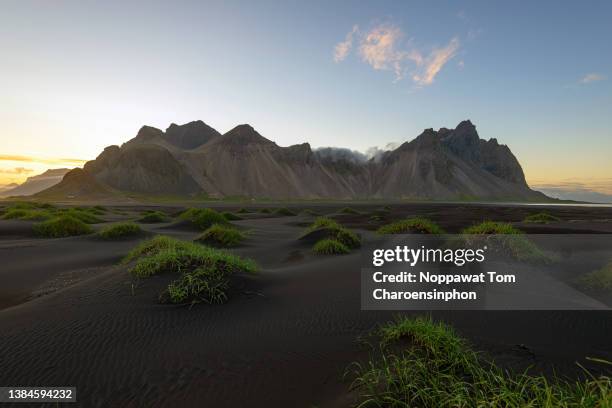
x: 416, y: 225
x: 231, y: 216
x: 86, y: 215
x: 600, y: 279
x: 61, y: 226
x: 349, y: 210
x: 243, y: 211
x: 42, y: 211
x: 35, y: 214
x: 541, y: 218
x: 426, y: 364
x: 285, y: 212
x: 265, y: 211
x: 120, y: 230
x: 323, y: 222
x: 203, y: 218
x: 504, y: 239
x: 152, y: 217
x: 222, y: 235
x: 203, y: 273
x: 492, y: 228
x: 330, y: 246
x: 327, y: 232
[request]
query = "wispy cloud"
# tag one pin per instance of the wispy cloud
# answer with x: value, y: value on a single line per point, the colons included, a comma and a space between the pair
x: 384, y: 48
x: 342, y: 49
x: 431, y: 65
x: 592, y: 77
x: 42, y: 160
x: 379, y: 48
x: 16, y: 170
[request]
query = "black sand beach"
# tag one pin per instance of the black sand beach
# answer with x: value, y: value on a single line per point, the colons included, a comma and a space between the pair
x: 71, y: 316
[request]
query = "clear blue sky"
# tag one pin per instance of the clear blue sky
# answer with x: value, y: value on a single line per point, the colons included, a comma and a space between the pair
x: 78, y: 76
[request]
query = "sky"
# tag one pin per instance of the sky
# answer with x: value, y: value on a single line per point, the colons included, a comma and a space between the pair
x: 78, y: 76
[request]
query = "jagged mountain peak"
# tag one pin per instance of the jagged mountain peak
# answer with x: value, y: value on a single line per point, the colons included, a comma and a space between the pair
x: 193, y: 158
x: 190, y: 135
x: 245, y: 134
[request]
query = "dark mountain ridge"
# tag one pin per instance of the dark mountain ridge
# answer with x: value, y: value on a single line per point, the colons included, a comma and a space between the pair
x: 194, y: 158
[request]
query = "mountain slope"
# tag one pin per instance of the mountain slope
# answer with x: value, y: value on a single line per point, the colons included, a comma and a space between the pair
x: 194, y: 158
x: 78, y: 184
x: 37, y: 183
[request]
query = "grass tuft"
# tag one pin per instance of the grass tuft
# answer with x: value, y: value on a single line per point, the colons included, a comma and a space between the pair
x: 334, y: 231
x: 152, y: 217
x: 244, y: 211
x: 85, y: 215
x: 541, y: 218
x: 323, y: 222
x: 61, y: 226
x: 600, y: 279
x: 204, y: 272
x: 417, y: 225
x: 222, y: 235
x: 35, y: 214
x: 505, y: 239
x: 203, y: 218
x: 120, y: 230
x: 426, y: 364
x: 349, y: 210
x: 492, y: 228
x: 265, y: 211
x: 330, y: 246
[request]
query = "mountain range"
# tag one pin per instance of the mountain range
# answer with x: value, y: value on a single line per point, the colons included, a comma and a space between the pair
x: 34, y: 184
x: 194, y: 158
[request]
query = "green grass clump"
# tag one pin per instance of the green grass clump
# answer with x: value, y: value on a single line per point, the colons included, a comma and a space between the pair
x: 231, y: 216
x: 152, y: 217
x: 85, y: 215
x: 323, y: 222
x: 335, y: 231
x: 349, y: 210
x: 426, y: 364
x: 330, y: 246
x: 415, y: 225
x: 541, y: 218
x: 100, y: 208
x: 120, y: 230
x: 222, y: 235
x: 265, y: 211
x: 600, y: 279
x: 243, y: 211
x: 285, y: 212
x: 505, y: 239
x: 203, y: 218
x: 35, y: 214
x: 204, y: 272
x: 492, y: 227
x: 61, y: 226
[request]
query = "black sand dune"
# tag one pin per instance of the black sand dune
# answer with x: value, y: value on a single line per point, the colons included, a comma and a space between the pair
x: 284, y: 339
